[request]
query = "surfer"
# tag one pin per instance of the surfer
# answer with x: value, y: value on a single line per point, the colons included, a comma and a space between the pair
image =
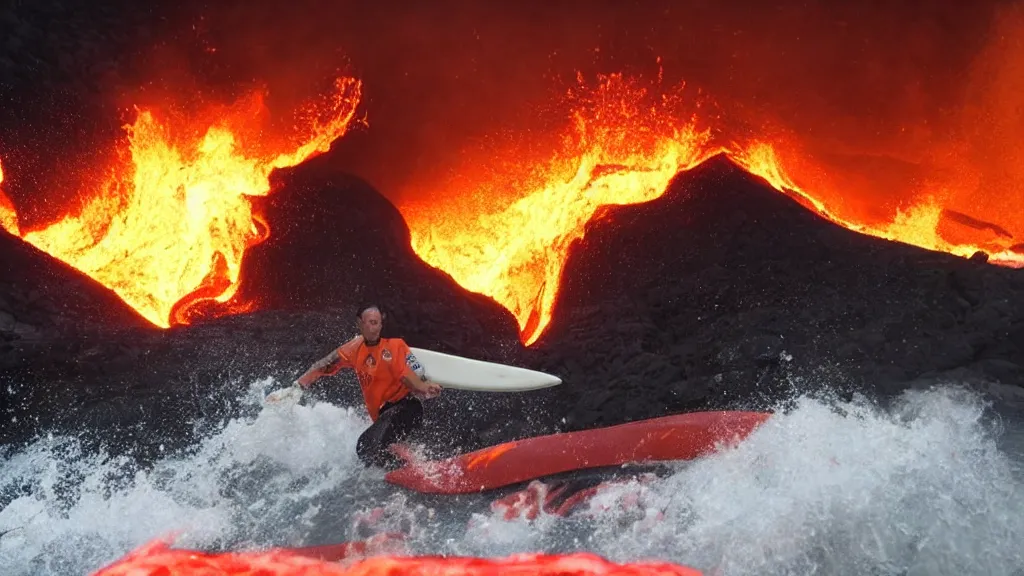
x: 392, y: 381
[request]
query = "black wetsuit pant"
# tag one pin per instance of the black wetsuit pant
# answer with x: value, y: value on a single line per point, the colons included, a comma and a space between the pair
x: 395, y: 422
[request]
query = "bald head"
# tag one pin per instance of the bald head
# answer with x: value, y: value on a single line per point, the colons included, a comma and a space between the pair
x: 370, y: 320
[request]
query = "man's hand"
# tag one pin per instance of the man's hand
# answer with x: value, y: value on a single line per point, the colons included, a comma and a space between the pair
x: 289, y: 395
x: 307, y: 379
x: 431, y: 389
x: 424, y: 389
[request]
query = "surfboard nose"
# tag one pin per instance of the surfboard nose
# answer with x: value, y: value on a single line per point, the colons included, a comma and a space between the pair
x: 460, y: 373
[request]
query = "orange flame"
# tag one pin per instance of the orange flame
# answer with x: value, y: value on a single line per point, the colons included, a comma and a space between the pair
x: 170, y: 228
x: 919, y: 224
x: 8, y: 216
x: 623, y: 146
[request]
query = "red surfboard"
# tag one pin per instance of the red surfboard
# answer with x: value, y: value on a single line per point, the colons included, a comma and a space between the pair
x: 678, y: 437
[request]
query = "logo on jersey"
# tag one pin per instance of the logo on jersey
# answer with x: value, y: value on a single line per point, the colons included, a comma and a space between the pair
x: 415, y: 366
x: 364, y: 379
x: 370, y: 361
x: 386, y: 355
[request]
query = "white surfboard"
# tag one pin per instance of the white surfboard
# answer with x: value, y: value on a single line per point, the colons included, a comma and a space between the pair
x: 461, y: 373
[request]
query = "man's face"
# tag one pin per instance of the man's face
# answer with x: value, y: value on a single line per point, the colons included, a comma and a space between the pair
x: 370, y: 324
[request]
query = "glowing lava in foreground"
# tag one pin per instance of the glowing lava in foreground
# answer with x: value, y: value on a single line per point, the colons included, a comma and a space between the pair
x: 156, y: 558
x: 509, y: 238
x: 169, y: 227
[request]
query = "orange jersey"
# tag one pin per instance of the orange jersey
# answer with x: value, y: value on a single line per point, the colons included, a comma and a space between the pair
x: 379, y: 369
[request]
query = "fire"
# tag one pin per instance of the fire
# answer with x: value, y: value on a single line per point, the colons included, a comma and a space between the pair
x: 623, y: 145
x: 169, y: 228
x: 8, y: 217
x: 919, y: 224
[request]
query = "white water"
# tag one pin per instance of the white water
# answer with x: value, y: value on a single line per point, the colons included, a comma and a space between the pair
x: 925, y: 488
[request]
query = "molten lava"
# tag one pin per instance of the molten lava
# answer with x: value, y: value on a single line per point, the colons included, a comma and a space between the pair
x: 508, y: 238
x: 8, y: 217
x: 157, y: 558
x: 623, y: 147
x: 169, y: 227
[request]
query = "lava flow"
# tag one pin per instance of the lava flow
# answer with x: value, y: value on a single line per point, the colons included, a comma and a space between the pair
x: 623, y: 147
x: 508, y: 237
x: 158, y: 557
x: 8, y: 217
x: 169, y: 227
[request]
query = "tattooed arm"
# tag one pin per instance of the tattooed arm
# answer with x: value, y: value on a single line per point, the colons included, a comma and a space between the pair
x: 326, y: 366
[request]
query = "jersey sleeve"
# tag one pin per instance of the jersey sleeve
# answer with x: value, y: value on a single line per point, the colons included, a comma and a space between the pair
x: 346, y: 353
x: 327, y: 366
x: 411, y: 367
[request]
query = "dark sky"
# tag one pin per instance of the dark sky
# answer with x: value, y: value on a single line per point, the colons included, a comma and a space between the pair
x: 439, y: 74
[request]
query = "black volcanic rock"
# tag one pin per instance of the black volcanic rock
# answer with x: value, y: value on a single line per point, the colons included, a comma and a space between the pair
x: 61, y: 335
x: 724, y: 293
x: 42, y: 298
